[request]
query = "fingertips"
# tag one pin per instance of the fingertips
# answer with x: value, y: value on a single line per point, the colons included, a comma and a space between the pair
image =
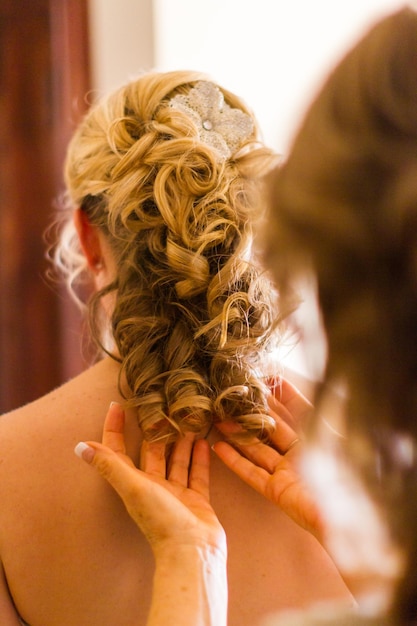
x: 201, y: 453
x: 223, y: 449
x: 203, y: 447
x: 200, y: 465
x: 153, y: 457
x: 104, y: 460
x: 94, y: 453
x: 85, y: 452
x: 229, y: 428
x: 115, y: 417
x: 219, y: 444
x: 113, y: 429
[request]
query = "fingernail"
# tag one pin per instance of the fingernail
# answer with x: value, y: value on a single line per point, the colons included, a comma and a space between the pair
x: 84, y: 452
x: 114, y: 403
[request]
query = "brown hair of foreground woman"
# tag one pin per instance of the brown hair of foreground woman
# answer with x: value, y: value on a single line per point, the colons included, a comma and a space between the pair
x: 344, y: 210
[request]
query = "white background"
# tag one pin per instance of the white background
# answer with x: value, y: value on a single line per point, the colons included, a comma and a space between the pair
x: 274, y: 53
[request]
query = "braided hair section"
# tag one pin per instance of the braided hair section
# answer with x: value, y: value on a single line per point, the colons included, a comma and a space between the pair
x: 194, y: 316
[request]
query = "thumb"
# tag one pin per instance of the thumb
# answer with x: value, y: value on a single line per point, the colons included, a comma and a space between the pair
x: 148, y: 503
x: 119, y: 472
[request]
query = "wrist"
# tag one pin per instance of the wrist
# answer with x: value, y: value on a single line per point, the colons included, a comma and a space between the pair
x: 190, y: 585
x: 188, y: 547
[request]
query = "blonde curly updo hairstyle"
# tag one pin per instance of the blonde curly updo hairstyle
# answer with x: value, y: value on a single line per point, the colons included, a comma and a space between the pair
x: 194, y: 313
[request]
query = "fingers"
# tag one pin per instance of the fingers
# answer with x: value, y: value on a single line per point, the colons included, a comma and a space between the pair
x: 255, y: 476
x: 185, y: 466
x: 281, y: 439
x: 295, y: 403
x: 113, y: 429
x: 180, y: 460
x: 200, y: 468
x: 147, y: 500
x: 284, y: 435
x: 119, y: 471
x: 189, y: 464
x: 153, y: 458
x: 290, y: 409
x: 260, y: 454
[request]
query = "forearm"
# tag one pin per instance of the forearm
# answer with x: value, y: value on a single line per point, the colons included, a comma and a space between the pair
x: 190, y: 587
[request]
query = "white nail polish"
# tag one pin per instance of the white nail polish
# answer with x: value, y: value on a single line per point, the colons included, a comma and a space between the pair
x: 80, y: 448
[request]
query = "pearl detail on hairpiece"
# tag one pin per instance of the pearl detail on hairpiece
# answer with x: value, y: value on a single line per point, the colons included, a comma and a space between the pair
x: 218, y: 125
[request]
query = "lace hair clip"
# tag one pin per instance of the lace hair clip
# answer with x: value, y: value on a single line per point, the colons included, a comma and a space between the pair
x: 220, y: 126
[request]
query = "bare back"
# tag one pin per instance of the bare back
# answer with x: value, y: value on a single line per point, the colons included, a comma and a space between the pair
x: 71, y: 554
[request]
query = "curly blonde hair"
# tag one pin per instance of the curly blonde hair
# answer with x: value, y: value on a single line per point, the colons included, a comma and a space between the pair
x: 194, y: 317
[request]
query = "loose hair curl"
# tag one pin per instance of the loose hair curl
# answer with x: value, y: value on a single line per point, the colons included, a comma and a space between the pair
x: 194, y: 313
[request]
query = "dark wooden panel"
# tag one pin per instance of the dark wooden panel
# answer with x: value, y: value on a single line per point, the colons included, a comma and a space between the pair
x: 43, y: 69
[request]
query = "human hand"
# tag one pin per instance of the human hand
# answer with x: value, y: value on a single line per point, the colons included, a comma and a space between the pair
x: 273, y: 469
x: 169, y: 502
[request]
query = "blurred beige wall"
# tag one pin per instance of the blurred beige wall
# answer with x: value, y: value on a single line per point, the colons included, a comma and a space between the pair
x: 273, y: 53
x: 122, y: 41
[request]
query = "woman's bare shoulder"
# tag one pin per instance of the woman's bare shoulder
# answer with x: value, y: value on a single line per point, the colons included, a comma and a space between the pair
x: 56, y: 422
x: 90, y: 388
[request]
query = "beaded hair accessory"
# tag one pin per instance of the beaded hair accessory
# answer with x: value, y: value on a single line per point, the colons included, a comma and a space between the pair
x: 219, y: 126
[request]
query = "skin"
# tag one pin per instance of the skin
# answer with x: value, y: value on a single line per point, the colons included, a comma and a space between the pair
x: 272, y: 469
x: 169, y: 502
x: 71, y: 553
